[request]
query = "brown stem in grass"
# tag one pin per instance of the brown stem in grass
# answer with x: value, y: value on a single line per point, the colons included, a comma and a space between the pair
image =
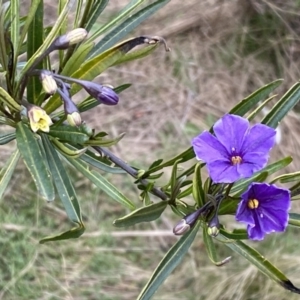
x: 131, y: 171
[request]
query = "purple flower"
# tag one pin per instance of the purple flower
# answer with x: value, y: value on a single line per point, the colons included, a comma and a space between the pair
x: 236, y: 150
x: 264, y: 208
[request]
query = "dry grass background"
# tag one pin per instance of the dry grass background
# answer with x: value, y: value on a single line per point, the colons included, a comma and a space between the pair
x: 221, y: 52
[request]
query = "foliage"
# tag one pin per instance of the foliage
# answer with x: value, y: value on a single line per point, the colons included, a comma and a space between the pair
x: 36, y: 103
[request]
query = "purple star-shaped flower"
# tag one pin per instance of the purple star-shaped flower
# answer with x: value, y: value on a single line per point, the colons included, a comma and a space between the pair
x: 236, y: 150
x: 264, y: 208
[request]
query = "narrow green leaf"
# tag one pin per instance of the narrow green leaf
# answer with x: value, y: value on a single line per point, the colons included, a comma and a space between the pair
x: 137, y: 54
x: 100, y: 163
x: 7, y: 137
x: 236, y: 234
x: 124, y: 13
x: 30, y: 15
x: 8, y: 100
x: 62, y: 182
x: 15, y: 27
x: 255, y: 112
x: 96, y: 11
x: 287, y: 177
x: 76, y: 59
x: 102, y: 183
x: 144, y: 214
x: 104, y: 142
x: 294, y: 219
x: 170, y: 261
x: 74, y: 233
x: 67, y: 133
x: 211, y: 249
x: 35, y: 161
x: 66, y: 149
x: 261, y: 263
x: 283, y: 106
x: 126, y: 27
x: 198, y: 193
x: 35, y: 37
x: 249, y: 102
x: 8, y: 170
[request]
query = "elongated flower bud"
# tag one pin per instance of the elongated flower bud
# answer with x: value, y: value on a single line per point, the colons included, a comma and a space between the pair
x: 104, y: 94
x: 71, y: 38
x: 181, y: 227
x: 214, y: 226
x: 48, y: 82
x: 70, y: 108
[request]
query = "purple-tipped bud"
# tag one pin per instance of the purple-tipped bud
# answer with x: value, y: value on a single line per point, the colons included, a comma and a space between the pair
x: 104, y: 94
x: 181, y: 227
x: 71, y: 38
x: 70, y: 108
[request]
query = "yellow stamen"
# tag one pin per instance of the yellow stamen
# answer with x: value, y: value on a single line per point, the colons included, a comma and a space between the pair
x: 253, y: 203
x: 236, y: 160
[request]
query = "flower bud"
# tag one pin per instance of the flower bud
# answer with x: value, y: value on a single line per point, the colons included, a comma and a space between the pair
x: 181, y: 228
x: 74, y: 119
x: 104, y: 94
x: 48, y: 82
x: 214, y: 226
x: 71, y: 38
x: 38, y: 118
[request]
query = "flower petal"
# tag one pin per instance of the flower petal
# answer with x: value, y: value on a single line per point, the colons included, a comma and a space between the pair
x: 208, y: 148
x: 261, y: 138
x: 221, y: 171
x: 231, y: 131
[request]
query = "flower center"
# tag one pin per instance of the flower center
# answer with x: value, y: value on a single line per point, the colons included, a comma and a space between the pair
x: 253, y: 203
x: 236, y: 160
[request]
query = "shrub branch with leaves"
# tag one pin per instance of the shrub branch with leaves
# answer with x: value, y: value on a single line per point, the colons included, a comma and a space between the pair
x: 36, y: 102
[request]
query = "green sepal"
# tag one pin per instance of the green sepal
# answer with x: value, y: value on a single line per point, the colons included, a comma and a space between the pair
x: 144, y: 214
x: 170, y: 261
x: 35, y: 161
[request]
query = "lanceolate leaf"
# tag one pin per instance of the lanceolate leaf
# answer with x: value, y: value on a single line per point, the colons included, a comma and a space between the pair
x: 102, y: 183
x: 261, y: 263
x: 34, y: 41
x: 283, y: 106
x: 249, y: 103
x: 8, y: 170
x: 71, y: 134
x: 76, y: 59
x: 15, y: 27
x: 96, y: 10
x: 125, y: 12
x: 35, y: 161
x: 7, y: 137
x: 294, y: 219
x: 170, y: 261
x: 62, y: 182
x: 32, y: 11
x: 127, y: 26
x: 8, y: 100
x: 73, y: 233
x: 143, y: 214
